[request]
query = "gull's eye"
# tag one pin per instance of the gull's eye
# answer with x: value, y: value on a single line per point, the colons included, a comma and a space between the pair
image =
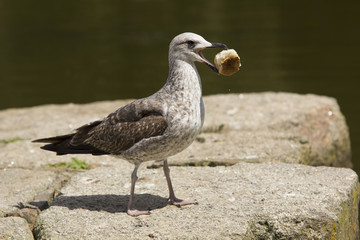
x: 191, y: 44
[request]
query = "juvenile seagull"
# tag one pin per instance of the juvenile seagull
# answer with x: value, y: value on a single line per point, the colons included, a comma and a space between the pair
x: 152, y: 128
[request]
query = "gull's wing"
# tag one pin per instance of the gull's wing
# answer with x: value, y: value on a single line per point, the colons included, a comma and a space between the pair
x: 113, y: 135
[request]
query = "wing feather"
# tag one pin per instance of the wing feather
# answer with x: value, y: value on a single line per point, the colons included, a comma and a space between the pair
x: 118, y: 132
x: 118, y: 137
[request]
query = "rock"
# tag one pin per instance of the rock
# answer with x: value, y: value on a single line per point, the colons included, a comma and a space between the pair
x: 261, y: 127
x: 270, y: 127
x: 27, y: 124
x: 252, y: 198
x: 21, y: 186
x: 243, y: 201
x: 15, y: 228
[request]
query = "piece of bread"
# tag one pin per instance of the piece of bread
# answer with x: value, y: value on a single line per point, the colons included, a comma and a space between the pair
x: 227, y: 62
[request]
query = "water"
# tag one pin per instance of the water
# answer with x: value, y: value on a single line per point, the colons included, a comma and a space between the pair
x: 84, y: 51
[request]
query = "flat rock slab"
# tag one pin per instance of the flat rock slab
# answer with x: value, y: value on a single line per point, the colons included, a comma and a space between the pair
x: 255, y: 198
x: 20, y: 126
x: 261, y: 127
x: 14, y: 228
x: 21, y: 186
x: 244, y: 201
x: 268, y: 127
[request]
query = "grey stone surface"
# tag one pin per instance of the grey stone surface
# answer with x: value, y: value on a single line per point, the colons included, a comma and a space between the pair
x: 15, y: 228
x: 244, y: 201
x: 268, y: 127
x: 255, y: 198
x: 41, y: 121
x: 264, y: 127
x: 21, y: 186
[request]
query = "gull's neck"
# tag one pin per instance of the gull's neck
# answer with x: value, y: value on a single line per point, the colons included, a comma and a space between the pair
x: 183, y: 77
x: 183, y: 86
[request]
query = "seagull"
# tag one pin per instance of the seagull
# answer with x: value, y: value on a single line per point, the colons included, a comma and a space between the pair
x: 152, y: 128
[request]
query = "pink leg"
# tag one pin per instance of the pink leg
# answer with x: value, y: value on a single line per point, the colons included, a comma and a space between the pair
x: 132, y: 211
x: 174, y: 200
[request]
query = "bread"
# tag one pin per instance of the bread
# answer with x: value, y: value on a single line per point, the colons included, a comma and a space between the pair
x: 227, y: 62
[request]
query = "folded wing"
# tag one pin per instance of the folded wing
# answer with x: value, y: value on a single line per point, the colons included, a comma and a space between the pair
x: 113, y: 135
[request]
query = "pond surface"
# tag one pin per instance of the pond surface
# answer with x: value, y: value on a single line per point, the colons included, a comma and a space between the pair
x: 85, y: 51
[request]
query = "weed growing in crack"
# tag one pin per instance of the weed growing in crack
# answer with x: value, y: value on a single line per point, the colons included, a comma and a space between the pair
x: 75, y: 164
x: 11, y: 140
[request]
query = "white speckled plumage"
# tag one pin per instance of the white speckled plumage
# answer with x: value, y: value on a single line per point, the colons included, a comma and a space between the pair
x: 151, y: 128
x: 180, y: 103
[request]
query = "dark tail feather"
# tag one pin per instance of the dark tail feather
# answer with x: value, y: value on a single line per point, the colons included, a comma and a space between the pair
x: 61, y: 145
x: 57, y: 139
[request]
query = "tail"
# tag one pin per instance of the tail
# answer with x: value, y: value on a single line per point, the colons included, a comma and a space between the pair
x: 61, y: 145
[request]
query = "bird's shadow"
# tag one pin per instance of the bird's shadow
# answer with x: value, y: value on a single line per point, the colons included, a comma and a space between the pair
x: 110, y: 203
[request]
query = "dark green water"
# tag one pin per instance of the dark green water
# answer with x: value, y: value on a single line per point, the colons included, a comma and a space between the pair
x: 84, y: 51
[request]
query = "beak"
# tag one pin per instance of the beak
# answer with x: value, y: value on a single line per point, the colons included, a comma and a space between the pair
x: 218, y: 45
x: 213, y: 45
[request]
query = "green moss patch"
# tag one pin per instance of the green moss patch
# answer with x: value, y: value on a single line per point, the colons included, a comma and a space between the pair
x: 75, y: 164
x: 11, y: 140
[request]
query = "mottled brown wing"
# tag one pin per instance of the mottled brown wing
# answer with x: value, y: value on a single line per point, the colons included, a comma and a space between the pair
x: 116, y: 137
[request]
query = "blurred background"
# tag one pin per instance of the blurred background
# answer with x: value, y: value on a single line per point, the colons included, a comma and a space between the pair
x: 84, y: 51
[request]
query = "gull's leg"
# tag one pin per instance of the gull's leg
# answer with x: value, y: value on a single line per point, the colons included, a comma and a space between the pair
x: 132, y: 211
x: 174, y: 200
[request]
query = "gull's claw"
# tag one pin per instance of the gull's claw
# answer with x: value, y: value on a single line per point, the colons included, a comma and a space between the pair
x: 135, y: 212
x: 180, y: 202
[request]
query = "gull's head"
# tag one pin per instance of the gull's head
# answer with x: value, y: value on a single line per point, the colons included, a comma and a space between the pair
x: 189, y: 46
